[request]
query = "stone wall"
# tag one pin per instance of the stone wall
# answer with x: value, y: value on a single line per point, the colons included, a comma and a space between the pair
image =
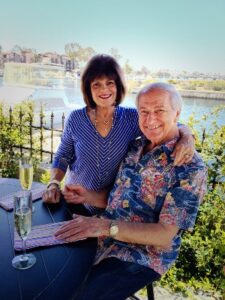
x: 204, y: 95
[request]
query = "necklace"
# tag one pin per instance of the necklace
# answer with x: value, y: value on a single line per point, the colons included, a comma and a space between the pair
x: 106, y: 123
x: 106, y: 155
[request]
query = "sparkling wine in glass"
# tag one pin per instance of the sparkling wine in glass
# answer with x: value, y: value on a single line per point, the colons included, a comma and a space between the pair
x: 26, y: 174
x: 22, y: 221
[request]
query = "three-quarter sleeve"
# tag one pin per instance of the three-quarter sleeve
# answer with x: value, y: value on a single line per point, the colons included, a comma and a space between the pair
x: 65, y: 154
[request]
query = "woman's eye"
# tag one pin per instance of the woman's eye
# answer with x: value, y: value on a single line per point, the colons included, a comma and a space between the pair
x: 111, y: 83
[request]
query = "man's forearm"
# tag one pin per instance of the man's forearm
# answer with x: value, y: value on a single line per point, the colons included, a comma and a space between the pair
x: 154, y: 234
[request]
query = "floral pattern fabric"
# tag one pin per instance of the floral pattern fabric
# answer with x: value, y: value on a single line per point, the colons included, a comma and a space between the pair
x: 149, y: 189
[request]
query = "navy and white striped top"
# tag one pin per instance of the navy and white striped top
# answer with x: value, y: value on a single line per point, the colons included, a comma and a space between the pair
x: 94, y: 160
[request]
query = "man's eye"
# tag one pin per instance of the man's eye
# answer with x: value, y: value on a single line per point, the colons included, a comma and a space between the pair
x: 144, y: 113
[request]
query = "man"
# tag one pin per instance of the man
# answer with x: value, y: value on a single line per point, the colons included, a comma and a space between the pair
x: 151, y: 203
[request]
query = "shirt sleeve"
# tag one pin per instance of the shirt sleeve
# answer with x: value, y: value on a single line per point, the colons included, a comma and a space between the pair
x: 182, y: 202
x: 65, y: 154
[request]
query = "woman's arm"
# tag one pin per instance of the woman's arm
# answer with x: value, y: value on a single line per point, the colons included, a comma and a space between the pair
x: 52, y: 193
x: 64, y: 156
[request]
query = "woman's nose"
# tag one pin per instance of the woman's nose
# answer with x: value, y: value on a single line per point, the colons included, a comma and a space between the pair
x: 103, y: 86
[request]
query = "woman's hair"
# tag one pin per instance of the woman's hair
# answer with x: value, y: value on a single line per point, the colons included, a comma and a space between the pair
x: 99, y: 66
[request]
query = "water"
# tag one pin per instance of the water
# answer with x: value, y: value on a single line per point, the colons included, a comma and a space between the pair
x: 69, y: 98
x: 197, y: 106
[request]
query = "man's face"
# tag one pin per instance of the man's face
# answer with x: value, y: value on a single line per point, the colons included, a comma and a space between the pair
x: 157, y: 118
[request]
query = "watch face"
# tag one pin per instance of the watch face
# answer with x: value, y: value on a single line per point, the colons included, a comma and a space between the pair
x: 114, y: 230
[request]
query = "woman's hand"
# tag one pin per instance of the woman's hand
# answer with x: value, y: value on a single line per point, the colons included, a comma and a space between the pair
x: 82, y: 227
x: 52, y: 194
x: 75, y: 194
x: 184, y: 150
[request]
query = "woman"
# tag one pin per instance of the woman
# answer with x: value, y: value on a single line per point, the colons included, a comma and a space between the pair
x: 96, y: 137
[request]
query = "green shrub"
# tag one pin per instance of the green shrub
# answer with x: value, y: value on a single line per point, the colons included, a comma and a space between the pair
x: 13, y: 134
x: 202, y: 256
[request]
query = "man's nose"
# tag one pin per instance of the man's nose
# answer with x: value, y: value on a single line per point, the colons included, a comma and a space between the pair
x: 151, y: 117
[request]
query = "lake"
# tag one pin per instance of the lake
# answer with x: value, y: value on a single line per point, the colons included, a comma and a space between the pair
x: 64, y: 100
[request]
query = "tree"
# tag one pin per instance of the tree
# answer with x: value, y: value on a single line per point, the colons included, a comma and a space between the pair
x: 77, y: 53
x: 86, y: 53
x: 145, y: 71
x: 17, y: 49
x: 115, y: 53
x: 72, y: 50
x: 127, y: 68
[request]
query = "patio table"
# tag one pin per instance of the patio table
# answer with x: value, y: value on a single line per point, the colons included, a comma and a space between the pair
x: 57, y: 272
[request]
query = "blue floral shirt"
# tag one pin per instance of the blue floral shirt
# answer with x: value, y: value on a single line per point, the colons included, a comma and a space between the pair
x: 149, y: 189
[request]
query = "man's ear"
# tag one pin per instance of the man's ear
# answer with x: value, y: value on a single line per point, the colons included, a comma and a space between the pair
x: 177, y: 116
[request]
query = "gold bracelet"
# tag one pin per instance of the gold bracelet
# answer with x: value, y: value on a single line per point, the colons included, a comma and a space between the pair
x: 54, y: 181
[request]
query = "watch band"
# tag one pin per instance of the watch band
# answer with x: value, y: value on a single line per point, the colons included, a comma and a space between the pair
x: 54, y: 181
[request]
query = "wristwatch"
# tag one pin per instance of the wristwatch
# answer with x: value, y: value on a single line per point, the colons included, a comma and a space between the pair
x: 113, y: 229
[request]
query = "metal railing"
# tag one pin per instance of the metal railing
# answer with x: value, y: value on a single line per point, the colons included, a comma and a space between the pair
x: 33, y: 127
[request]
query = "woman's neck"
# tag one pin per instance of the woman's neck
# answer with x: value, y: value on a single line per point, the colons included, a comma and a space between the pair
x: 103, y: 113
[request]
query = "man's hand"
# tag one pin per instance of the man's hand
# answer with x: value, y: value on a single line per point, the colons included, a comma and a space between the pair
x: 52, y: 194
x: 82, y: 227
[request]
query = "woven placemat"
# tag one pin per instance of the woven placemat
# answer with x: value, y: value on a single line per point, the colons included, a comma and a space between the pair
x: 40, y: 236
x: 6, y: 202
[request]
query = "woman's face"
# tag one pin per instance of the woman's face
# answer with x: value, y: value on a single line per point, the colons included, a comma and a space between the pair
x: 104, y: 91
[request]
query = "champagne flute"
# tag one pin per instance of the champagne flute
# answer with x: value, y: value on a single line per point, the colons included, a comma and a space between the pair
x: 22, y: 220
x: 26, y: 174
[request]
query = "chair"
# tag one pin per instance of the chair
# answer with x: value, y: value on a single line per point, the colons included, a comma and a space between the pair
x: 150, y: 293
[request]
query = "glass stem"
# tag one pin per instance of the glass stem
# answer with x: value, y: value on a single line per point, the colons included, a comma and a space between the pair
x: 24, y: 249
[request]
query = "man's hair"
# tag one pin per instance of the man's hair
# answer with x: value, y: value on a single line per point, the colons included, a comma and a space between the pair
x: 175, y: 97
x: 99, y: 66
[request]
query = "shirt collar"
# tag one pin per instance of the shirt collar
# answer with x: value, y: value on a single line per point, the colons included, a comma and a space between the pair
x: 167, y: 147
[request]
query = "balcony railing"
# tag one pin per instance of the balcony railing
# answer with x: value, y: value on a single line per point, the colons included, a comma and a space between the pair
x: 22, y: 132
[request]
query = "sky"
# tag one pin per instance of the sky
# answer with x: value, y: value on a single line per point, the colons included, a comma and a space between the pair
x: 173, y: 35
